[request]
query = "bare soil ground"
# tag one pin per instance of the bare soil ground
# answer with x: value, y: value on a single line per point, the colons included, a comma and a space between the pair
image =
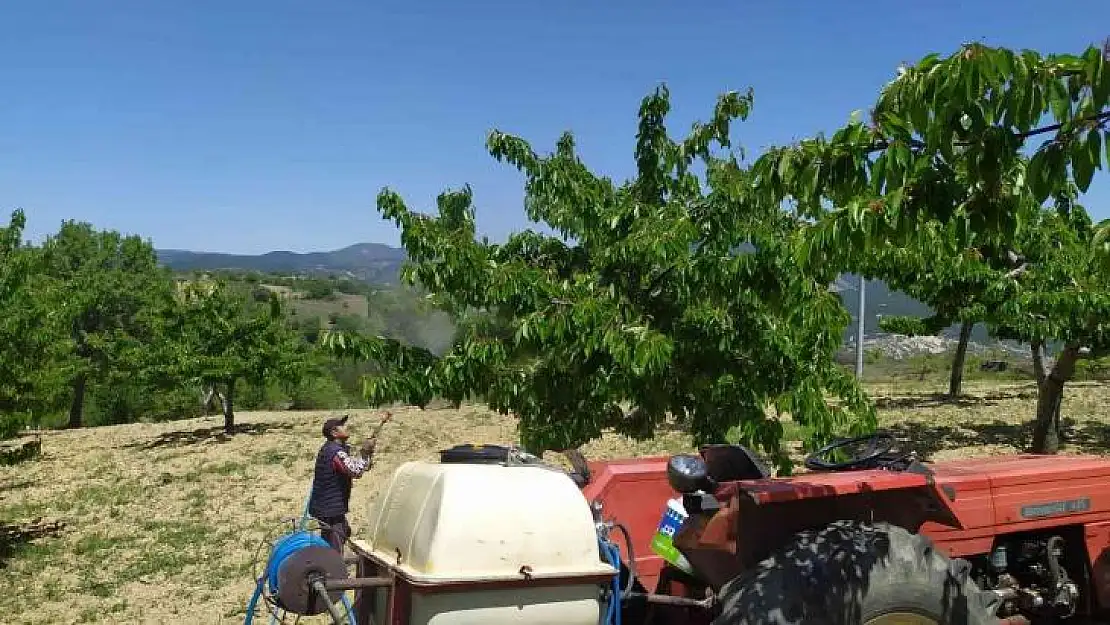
x: 162, y: 520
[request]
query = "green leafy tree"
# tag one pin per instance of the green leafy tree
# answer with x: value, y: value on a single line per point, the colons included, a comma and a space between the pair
x: 220, y: 337
x: 1062, y: 295
x: 104, y: 289
x: 955, y: 146
x: 14, y: 273
x: 25, y: 338
x: 642, y: 307
x: 933, y: 269
x: 319, y: 289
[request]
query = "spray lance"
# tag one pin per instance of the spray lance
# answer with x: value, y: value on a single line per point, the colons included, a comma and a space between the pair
x: 371, y: 443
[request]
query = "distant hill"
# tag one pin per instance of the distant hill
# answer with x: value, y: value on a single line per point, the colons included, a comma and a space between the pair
x: 881, y: 301
x: 370, y: 262
x: 376, y: 263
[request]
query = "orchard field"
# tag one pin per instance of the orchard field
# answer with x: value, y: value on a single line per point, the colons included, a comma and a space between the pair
x: 692, y: 303
x: 162, y: 520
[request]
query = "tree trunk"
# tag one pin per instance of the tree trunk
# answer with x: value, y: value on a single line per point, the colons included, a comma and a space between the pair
x: 1050, y: 395
x: 956, y: 381
x: 1037, y: 348
x: 77, y: 404
x: 206, y: 399
x: 1038, y: 361
x: 227, y: 400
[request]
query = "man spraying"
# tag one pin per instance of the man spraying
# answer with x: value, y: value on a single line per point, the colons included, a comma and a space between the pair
x: 335, y: 471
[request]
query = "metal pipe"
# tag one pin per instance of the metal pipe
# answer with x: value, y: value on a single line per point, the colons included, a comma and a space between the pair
x: 860, y: 327
x: 355, y: 583
x: 704, y: 604
x: 336, y: 616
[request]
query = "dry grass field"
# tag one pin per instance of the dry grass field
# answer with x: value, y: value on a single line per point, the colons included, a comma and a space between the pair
x: 162, y: 521
x: 343, y: 304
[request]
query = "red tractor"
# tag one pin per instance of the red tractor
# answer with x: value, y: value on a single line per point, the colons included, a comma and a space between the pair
x: 877, y: 537
x: 491, y: 535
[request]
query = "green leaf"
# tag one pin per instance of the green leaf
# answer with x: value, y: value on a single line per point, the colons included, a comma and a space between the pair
x: 1082, y: 164
x: 1099, y: 78
x: 1035, y: 177
x: 1059, y: 99
x: 1094, y: 149
x: 1106, y: 143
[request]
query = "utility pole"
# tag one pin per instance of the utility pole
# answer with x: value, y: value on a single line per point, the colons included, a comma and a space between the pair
x: 859, y: 328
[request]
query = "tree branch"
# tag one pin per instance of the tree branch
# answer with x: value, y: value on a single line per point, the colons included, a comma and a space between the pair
x: 1099, y: 118
x: 1013, y: 273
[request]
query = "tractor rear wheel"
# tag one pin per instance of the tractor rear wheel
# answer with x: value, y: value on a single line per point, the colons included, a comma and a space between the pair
x: 852, y: 573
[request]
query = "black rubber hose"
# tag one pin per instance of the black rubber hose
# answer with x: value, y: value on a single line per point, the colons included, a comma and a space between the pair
x: 631, y: 561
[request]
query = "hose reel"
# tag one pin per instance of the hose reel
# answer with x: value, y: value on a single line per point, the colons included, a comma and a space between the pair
x: 298, y: 560
x: 296, y: 579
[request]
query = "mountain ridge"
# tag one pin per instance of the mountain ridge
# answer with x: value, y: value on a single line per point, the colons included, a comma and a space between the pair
x: 380, y: 264
x: 375, y: 263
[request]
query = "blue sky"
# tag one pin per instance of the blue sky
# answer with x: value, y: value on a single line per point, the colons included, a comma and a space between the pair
x: 247, y: 126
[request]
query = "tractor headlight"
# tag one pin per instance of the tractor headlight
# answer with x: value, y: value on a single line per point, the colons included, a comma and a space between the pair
x: 687, y: 473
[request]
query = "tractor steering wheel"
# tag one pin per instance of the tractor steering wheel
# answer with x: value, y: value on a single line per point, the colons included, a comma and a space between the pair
x: 878, y: 445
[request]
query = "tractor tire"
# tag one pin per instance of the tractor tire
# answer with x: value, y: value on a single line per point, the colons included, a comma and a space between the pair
x: 852, y: 573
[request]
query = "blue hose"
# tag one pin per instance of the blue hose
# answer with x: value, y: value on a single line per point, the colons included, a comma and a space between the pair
x: 253, y: 604
x: 301, y: 526
x: 613, y: 555
x: 285, y: 547
x: 350, y: 609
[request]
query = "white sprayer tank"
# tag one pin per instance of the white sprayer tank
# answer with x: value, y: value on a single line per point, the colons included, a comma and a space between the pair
x: 480, y: 527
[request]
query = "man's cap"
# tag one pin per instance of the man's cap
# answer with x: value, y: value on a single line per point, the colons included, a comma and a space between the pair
x: 331, y: 424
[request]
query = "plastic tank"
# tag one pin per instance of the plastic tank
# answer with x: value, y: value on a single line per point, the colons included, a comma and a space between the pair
x: 516, y: 544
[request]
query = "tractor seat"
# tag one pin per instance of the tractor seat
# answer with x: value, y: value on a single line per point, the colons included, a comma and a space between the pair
x: 729, y: 463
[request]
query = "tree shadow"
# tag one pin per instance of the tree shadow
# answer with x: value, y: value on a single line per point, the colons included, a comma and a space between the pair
x: 927, y: 439
x: 16, y: 485
x: 214, y: 434
x: 914, y: 401
x: 1088, y: 436
x: 929, y: 400
x: 15, y: 536
x: 28, y: 450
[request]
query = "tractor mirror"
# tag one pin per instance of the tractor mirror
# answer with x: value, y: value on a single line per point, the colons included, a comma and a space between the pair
x: 687, y: 473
